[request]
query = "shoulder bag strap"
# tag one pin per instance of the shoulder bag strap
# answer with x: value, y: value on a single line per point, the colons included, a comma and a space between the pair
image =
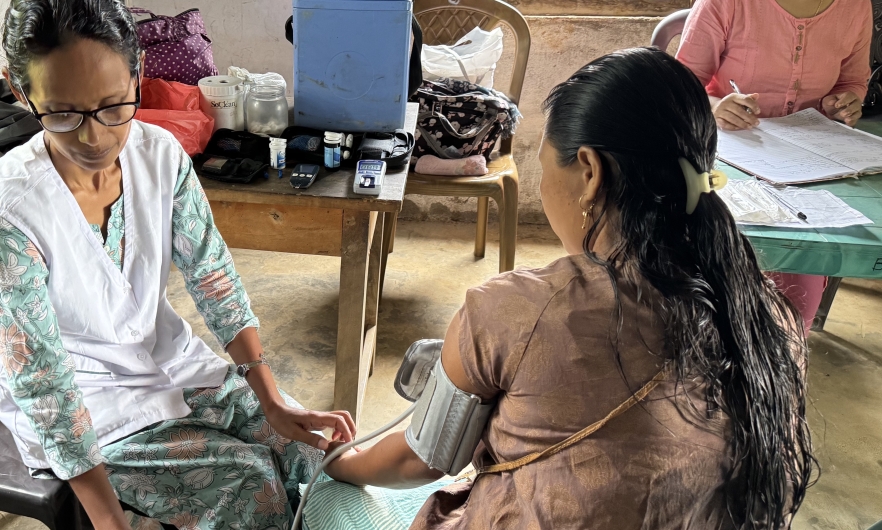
x: 141, y: 11
x: 581, y: 435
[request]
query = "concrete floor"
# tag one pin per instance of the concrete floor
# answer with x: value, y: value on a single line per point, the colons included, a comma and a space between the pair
x: 429, y: 271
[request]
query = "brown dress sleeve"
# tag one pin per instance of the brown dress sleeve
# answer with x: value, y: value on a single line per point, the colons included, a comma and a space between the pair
x: 496, y: 323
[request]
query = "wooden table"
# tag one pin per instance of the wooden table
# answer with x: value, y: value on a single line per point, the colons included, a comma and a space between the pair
x: 327, y: 219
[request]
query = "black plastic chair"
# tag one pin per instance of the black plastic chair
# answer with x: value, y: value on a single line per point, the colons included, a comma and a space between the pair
x: 50, y: 501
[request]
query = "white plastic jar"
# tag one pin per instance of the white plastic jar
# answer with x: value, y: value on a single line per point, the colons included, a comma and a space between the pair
x: 223, y: 99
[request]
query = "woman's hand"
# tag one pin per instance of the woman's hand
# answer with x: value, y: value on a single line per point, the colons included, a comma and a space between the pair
x: 290, y: 422
x: 843, y: 107
x: 736, y: 112
x: 296, y: 424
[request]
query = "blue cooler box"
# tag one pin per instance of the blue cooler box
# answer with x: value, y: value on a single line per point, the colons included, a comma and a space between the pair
x: 351, y: 62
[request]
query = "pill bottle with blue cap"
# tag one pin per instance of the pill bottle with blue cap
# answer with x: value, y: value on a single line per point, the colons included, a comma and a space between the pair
x: 332, y: 150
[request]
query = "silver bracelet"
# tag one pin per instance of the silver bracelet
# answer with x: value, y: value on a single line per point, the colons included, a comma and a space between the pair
x: 243, y: 369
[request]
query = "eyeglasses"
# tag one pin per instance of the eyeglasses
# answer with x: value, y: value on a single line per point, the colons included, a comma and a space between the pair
x: 70, y: 120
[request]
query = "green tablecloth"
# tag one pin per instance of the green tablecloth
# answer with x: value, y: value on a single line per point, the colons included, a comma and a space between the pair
x: 845, y: 252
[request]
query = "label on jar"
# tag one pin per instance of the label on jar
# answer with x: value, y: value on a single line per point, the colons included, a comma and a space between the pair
x: 277, y: 159
x: 332, y: 157
x: 227, y: 112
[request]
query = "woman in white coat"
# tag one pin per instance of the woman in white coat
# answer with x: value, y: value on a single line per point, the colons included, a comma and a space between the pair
x: 103, y: 383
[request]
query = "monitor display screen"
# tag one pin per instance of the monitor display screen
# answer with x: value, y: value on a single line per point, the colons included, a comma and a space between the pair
x: 370, y: 166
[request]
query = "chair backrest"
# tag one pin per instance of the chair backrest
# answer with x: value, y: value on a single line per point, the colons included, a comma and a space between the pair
x: 446, y: 21
x: 671, y: 26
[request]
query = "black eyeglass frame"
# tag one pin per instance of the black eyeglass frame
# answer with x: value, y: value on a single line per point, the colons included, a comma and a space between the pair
x: 87, y: 113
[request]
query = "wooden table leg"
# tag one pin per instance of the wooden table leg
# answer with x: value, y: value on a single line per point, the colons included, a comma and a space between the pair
x: 353, y: 362
x: 826, y: 303
x: 390, y: 220
x: 376, y: 269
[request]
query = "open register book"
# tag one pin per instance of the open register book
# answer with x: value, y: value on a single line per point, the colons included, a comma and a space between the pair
x: 802, y: 147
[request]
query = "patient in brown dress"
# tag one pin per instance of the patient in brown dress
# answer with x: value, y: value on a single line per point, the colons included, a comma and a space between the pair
x: 658, y: 281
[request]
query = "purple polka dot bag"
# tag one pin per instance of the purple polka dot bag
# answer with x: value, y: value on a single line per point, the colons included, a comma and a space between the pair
x: 177, y: 47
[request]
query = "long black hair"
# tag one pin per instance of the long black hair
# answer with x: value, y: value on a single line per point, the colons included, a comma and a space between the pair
x: 34, y: 28
x: 725, y: 324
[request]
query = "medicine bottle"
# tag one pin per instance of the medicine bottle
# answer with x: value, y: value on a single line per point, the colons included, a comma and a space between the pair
x: 332, y: 150
x: 277, y: 152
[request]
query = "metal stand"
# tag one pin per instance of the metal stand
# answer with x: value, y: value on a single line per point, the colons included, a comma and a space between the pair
x: 826, y: 302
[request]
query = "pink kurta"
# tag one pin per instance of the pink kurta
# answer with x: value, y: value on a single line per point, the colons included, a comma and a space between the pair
x: 792, y: 63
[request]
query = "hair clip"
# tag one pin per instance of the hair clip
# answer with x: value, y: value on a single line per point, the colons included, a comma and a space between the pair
x: 698, y: 183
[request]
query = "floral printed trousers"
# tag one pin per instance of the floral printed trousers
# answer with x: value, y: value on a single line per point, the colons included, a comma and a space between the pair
x: 221, y: 467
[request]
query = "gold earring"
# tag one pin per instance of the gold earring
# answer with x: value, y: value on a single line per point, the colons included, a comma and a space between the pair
x: 586, y: 210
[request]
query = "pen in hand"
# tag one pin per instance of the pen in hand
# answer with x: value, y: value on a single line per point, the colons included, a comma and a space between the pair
x: 735, y: 88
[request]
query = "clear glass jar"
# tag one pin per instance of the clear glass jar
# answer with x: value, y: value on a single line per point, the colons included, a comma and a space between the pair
x: 266, y: 110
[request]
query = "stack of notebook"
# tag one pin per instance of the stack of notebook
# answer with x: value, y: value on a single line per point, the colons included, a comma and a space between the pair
x: 802, y: 147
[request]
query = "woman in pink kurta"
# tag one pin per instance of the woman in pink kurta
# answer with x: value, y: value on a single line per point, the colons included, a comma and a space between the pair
x: 784, y: 56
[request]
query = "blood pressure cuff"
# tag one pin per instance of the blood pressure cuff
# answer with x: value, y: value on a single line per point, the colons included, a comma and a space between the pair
x: 447, y: 424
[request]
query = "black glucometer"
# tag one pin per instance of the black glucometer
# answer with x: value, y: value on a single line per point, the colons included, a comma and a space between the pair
x: 303, y: 175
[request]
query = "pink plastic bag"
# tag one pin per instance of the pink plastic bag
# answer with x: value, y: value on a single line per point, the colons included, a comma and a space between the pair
x: 175, y: 108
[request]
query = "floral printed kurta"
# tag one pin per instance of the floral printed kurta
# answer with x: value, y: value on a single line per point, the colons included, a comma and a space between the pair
x: 223, y: 467
x: 39, y: 369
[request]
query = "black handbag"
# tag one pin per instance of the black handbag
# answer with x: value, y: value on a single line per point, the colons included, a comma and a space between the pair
x: 458, y: 119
